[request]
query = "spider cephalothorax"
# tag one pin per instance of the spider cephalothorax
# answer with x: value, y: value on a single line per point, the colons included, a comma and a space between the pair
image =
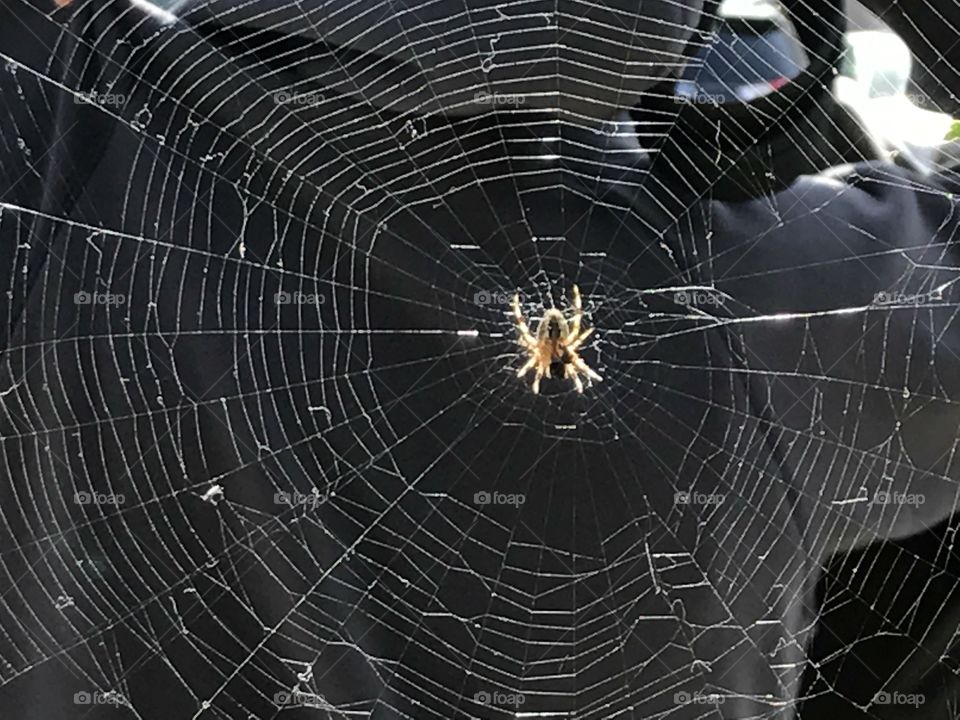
x: 553, y: 350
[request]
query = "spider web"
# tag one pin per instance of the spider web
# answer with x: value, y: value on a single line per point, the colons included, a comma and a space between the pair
x: 266, y: 453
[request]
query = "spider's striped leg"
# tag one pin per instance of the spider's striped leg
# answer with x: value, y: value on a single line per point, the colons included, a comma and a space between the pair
x: 577, y: 342
x: 571, y: 373
x: 577, y: 315
x: 536, y: 380
x: 525, y: 337
x: 582, y: 367
x: 526, y: 368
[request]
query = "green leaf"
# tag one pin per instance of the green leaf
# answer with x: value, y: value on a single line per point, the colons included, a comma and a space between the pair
x: 954, y: 132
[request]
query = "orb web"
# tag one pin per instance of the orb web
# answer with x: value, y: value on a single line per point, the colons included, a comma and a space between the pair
x: 266, y: 449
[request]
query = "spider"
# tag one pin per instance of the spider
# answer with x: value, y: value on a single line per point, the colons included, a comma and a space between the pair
x: 553, y: 350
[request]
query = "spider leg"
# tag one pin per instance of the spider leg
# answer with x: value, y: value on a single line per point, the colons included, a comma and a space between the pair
x: 526, y: 368
x: 577, y: 315
x: 536, y: 380
x: 571, y: 373
x: 577, y: 342
x: 582, y: 367
x: 525, y: 337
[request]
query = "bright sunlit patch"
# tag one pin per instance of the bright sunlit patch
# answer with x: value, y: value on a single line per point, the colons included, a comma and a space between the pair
x: 154, y: 10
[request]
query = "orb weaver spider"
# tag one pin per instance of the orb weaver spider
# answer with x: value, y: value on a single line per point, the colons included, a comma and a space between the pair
x: 553, y: 349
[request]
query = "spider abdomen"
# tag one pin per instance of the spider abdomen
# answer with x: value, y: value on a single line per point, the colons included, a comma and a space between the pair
x: 561, y: 359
